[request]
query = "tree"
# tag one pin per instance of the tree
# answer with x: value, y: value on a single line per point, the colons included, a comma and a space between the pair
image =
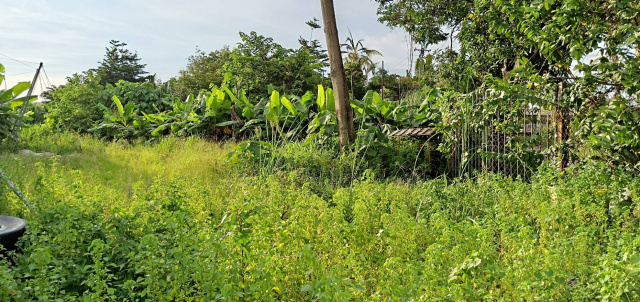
x: 120, y: 64
x: 360, y: 55
x: 313, y: 45
x: 425, y: 20
x: 202, y: 71
x: 343, y: 106
x: 258, y: 63
x: 358, y: 64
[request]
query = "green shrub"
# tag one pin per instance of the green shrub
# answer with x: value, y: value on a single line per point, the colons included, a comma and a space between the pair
x: 171, y: 221
x: 75, y: 105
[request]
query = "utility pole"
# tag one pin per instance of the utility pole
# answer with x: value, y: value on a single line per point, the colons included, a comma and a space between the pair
x: 338, y: 77
x: 23, y: 109
x: 399, y: 91
x: 382, y: 77
x: 420, y: 69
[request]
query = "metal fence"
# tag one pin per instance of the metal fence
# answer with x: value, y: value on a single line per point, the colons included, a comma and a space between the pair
x: 515, y: 151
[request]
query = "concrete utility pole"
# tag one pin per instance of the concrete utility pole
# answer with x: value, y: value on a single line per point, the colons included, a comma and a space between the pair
x: 23, y: 109
x: 382, y: 77
x: 338, y: 78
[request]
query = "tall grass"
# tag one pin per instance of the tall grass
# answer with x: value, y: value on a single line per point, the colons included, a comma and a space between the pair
x: 175, y: 221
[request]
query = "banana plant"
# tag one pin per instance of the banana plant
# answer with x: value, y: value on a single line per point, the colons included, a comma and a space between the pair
x: 9, y: 102
x: 373, y: 111
x: 325, y: 120
x: 124, y: 123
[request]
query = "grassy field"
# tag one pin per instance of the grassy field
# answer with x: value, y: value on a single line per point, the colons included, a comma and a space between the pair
x: 175, y: 221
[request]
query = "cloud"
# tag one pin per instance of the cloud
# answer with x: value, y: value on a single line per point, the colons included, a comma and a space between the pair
x: 70, y: 36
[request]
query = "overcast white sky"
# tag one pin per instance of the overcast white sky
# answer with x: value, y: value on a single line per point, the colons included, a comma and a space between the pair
x: 71, y: 36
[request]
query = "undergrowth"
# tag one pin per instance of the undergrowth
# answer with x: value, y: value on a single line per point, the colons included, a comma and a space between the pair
x: 175, y: 221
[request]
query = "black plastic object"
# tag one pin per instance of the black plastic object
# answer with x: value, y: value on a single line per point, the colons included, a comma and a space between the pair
x: 11, y: 228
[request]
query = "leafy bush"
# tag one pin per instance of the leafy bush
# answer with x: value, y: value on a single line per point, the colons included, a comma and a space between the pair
x: 179, y: 225
x: 75, y: 106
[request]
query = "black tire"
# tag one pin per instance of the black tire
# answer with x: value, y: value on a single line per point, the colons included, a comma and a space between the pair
x: 11, y: 229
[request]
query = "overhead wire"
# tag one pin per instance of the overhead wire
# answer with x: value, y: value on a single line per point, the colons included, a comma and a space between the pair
x: 16, y: 74
x: 23, y: 62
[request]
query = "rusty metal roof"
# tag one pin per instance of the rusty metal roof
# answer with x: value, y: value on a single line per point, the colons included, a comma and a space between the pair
x: 413, y: 132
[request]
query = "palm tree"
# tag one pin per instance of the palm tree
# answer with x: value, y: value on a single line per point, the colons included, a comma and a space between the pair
x: 359, y: 56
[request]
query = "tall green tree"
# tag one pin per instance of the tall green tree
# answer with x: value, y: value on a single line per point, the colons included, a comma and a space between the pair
x: 313, y: 46
x: 427, y: 21
x: 202, y: 71
x: 358, y: 64
x: 120, y: 63
x: 359, y: 55
x: 258, y: 63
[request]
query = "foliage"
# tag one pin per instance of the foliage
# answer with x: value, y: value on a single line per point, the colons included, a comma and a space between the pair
x: 172, y: 222
x: 614, y: 130
x: 208, y: 114
x: 313, y: 46
x: 120, y: 63
x: 10, y: 102
x: 202, y: 71
x: 82, y: 102
x: 358, y: 63
x: 603, y: 93
x: 147, y: 96
x: 425, y: 20
x: 257, y: 62
x: 75, y: 105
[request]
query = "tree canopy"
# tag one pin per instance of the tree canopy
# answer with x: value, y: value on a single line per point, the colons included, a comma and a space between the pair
x: 120, y: 63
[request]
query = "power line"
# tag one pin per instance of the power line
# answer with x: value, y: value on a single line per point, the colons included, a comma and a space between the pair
x: 23, y: 62
x: 16, y: 74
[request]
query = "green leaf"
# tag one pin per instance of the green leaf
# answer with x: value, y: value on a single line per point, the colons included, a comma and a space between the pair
x: 118, y: 104
x: 1, y: 68
x: 247, y: 112
x: 306, y: 288
x: 23, y: 99
x: 331, y: 101
x: 20, y: 88
x: 13, y: 104
x: 288, y: 105
x: 320, y: 100
x: 275, y: 101
x: 368, y: 98
x: 128, y: 110
x: 377, y: 100
x: 230, y: 94
x: 227, y: 123
x: 306, y: 98
x: 158, y: 130
x: 244, y: 99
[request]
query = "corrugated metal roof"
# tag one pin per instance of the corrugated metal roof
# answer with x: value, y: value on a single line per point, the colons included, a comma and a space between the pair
x: 413, y: 132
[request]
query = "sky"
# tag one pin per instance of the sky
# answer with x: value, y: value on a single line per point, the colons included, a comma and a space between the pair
x: 71, y: 36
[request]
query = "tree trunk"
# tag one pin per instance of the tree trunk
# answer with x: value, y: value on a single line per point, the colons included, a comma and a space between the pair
x: 338, y: 77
